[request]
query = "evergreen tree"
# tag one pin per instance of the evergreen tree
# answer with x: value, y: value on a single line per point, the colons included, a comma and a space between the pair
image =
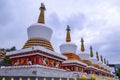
x: 6, y: 60
x: 9, y: 49
x: 118, y: 72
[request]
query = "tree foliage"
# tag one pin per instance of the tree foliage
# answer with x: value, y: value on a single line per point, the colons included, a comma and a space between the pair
x: 118, y: 72
x: 6, y: 60
x: 9, y: 49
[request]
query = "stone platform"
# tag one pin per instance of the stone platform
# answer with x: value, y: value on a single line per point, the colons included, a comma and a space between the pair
x: 38, y: 70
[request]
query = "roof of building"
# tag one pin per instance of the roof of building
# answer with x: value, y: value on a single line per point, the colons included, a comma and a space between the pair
x: 34, y: 49
x: 74, y: 61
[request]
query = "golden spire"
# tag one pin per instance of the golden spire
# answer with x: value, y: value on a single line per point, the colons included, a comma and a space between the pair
x: 101, y: 58
x: 97, y: 56
x: 104, y: 61
x: 91, y: 52
x: 82, y: 45
x: 68, y: 38
x: 41, y: 16
x: 107, y: 63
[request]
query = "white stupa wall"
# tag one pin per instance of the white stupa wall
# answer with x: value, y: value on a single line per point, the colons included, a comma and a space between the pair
x: 103, y: 65
x: 94, y: 60
x: 84, y: 56
x: 68, y: 48
x: 39, y: 30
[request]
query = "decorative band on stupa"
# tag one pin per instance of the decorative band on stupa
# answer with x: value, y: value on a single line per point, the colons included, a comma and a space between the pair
x: 38, y: 42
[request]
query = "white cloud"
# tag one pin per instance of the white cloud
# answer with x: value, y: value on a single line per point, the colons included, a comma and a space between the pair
x: 97, y: 21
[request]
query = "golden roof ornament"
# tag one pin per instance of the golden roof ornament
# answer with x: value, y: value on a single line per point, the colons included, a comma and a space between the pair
x: 82, y: 45
x: 41, y: 16
x: 107, y: 63
x: 104, y: 61
x: 68, y: 38
x: 101, y: 58
x: 91, y: 52
x: 97, y: 56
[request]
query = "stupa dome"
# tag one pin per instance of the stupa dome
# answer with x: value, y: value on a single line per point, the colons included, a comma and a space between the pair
x: 39, y: 30
x: 68, y: 47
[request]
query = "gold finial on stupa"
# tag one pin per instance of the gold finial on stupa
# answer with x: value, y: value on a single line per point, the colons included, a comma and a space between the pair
x: 104, y: 61
x: 91, y: 52
x: 41, y: 16
x: 101, y: 58
x: 107, y: 63
x: 82, y: 45
x: 68, y: 38
x: 97, y: 56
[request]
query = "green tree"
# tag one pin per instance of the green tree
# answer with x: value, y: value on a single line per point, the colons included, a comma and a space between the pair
x: 118, y: 72
x: 13, y: 48
x: 6, y: 60
x: 9, y: 49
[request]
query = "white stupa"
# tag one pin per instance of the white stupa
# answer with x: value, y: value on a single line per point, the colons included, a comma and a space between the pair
x: 92, y: 58
x: 68, y: 47
x: 83, y: 55
x: 39, y: 34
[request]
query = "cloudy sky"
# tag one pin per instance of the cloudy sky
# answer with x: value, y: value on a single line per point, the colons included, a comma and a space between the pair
x: 97, y: 21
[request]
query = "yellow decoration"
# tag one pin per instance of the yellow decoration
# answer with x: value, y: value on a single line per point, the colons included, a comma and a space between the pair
x: 68, y: 38
x: 60, y: 79
x: 20, y: 78
x: 41, y: 16
x: 36, y: 78
x: 82, y: 45
x: 95, y: 65
x: 52, y: 79
x: 108, y: 79
x: 44, y: 78
x: 89, y: 63
x: 91, y: 52
x: 93, y: 77
x: 28, y: 78
x: 12, y: 78
x: 97, y: 56
x: 75, y: 78
x: 72, y: 56
x: 68, y: 79
x: 83, y: 77
x: 38, y: 42
x: 3, y: 78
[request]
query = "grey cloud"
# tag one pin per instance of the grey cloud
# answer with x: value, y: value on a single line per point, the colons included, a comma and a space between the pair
x: 16, y: 22
x: 76, y: 21
x: 59, y: 26
x: 5, y: 12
